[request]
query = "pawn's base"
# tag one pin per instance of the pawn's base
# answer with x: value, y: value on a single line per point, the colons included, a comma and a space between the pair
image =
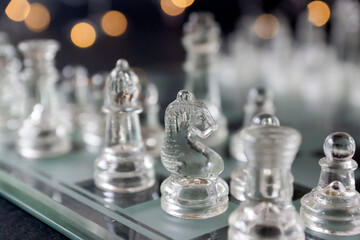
x: 333, y: 215
x: 123, y: 174
x: 194, y: 198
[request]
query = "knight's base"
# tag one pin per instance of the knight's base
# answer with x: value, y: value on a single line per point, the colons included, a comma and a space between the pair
x: 196, y: 198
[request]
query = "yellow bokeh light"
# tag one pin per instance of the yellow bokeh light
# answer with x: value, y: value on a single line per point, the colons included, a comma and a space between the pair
x: 83, y: 35
x: 114, y: 23
x: 266, y: 26
x: 170, y: 8
x: 318, y: 13
x: 182, y: 3
x: 17, y: 10
x: 38, y: 19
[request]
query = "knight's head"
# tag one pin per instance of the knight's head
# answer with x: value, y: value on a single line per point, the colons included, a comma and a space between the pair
x: 192, y: 114
x: 122, y: 89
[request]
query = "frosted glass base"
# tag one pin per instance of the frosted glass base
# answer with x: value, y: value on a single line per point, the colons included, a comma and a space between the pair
x: 194, y: 198
x: 124, y: 173
x: 43, y: 144
x: 265, y: 220
x: 334, y: 215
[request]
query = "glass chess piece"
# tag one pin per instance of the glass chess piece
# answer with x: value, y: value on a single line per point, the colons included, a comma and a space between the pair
x: 151, y: 129
x: 239, y: 175
x: 43, y: 133
x: 122, y: 165
x: 194, y: 189
x: 71, y: 75
x: 90, y: 97
x: 333, y: 207
x: 259, y: 100
x: 11, y: 91
x: 267, y: 212
x: 202, y: 42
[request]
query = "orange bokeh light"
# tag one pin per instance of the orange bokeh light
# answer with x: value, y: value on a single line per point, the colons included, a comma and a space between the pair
x: 266, y: 26
x: 182, y: 3
x: 114, y: 23
x: 38, y: 19
x: 17, y: 10
x: 83, y: 35
x: 318, y: 13
x: 170, y: 8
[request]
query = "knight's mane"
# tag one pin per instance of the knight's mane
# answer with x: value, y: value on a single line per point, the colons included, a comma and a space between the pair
x: 175, y: 109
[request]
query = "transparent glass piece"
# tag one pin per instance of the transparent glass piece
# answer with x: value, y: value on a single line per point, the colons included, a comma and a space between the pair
x: 239, y: 176
x: 333, y: 206
x: 11, y: 91
x: 151, y: 129
x: 43, y: 133
x: 268, y: 212
x: 259, y: 100
x: 201, y: 41
x: 122, y: 165
x: 90, y: 96
x: 194, y: 189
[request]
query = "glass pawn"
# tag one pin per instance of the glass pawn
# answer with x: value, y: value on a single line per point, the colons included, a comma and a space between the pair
x: 122, y: 165
x: 201, y: 41
x: 333, y: 207
x: 194, y: 189
x: 259, y: 100
x: 43, y: 134
x: 151, y: 129
x: 239, y: 176
x: 267, y: 212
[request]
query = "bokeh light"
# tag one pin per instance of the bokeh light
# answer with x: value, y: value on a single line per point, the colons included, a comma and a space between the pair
x: 318, y: 13
x: 38, y: 19
x: 182, y: 3
x: 266, y: 26
x: 170, y: 8
x: 114, y: 23
x: 17, y: 10
x: 83, y: 35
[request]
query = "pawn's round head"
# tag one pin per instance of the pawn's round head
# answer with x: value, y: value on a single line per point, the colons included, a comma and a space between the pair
x: 265, y: 119
x: 339, y: 146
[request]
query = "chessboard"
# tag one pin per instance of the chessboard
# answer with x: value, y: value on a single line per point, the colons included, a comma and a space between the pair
x: 61, y: 192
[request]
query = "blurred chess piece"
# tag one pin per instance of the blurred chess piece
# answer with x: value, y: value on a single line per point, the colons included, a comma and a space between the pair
x: 333, y: 206
x: 90, y: 97
x: 43, y: 133
x: 201, y: 41
x: 345, y: 29
x: 268, y: 212
x: 194, y: 189
x: 122, y: 165
x: 11, y: 90
x: 239, y: 176
x: 71, y: 75
x: 151, y: 129
x: 260, y: 100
